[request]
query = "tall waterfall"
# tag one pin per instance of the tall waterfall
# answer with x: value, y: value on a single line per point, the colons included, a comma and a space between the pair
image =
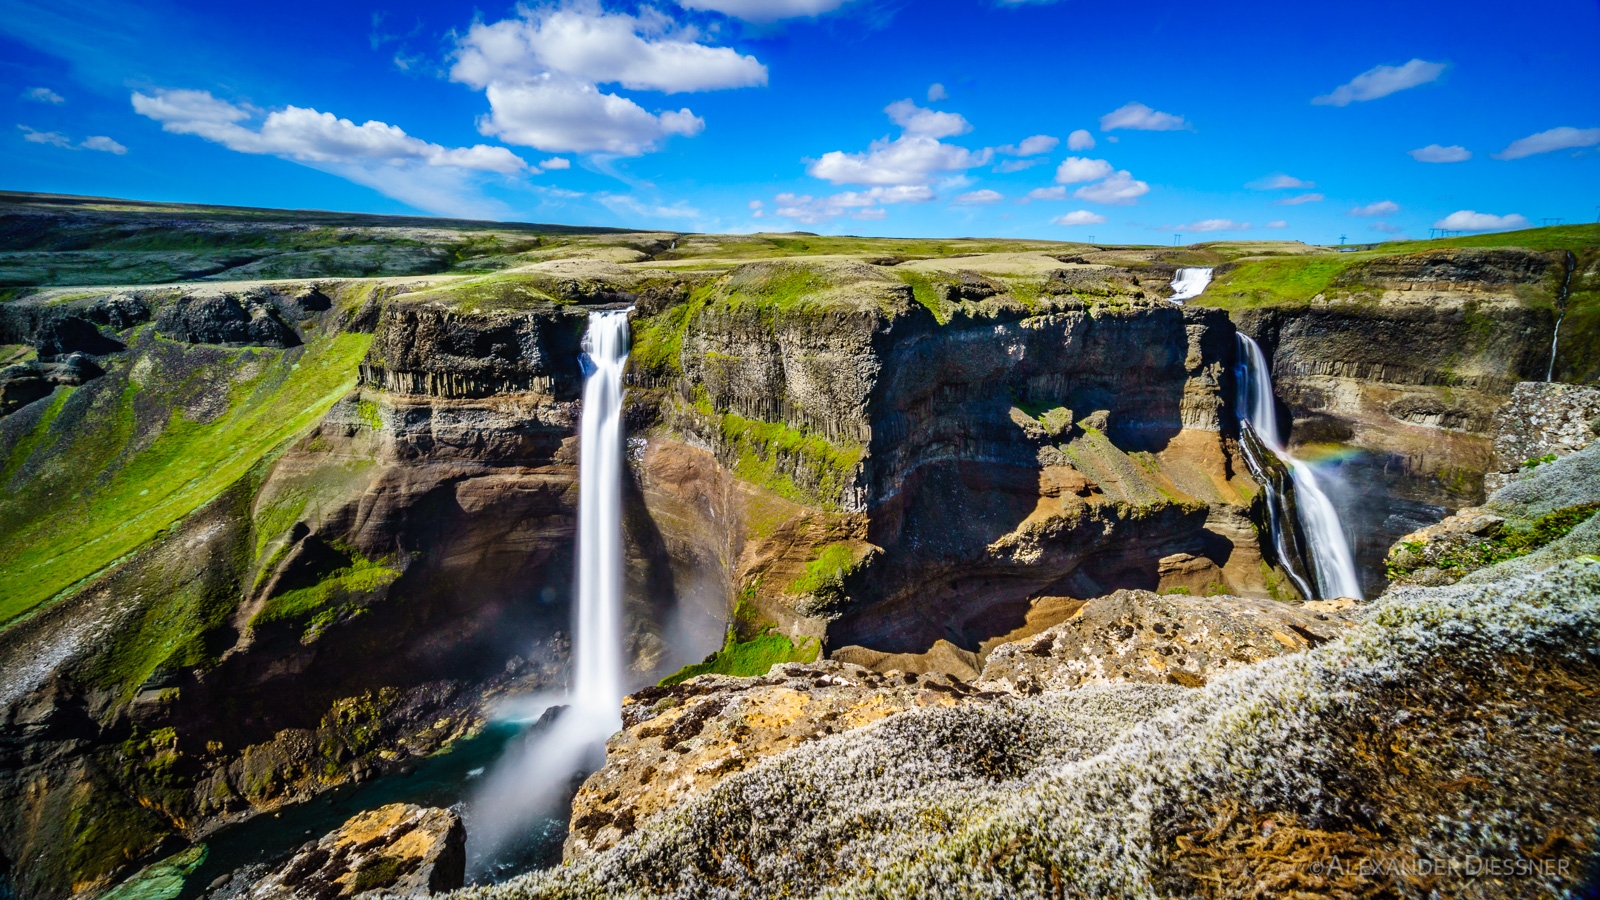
x: 534, y: 776
x: 1187, y: 284
x: 1333, y: 567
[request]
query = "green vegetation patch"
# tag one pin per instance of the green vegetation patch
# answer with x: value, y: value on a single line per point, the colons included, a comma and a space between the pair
x: 1280, y: 279
x: 1460, y: 558
x: 119, y: 460
x: 826, y: 572
x: 749, y: 658
x: 793, y: 463
x: 360, y: 578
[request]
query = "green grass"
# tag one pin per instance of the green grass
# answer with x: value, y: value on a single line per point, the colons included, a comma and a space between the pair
x: 833, y: 562
x: 759, y: 446
x: 362, y: 576
x: 749, y: 658
x: 1280, y: 279
x: 657, y: 347
x: 104, y: 489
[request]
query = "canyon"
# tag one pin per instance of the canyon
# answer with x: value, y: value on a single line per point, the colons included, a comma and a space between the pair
x: 309, y: 519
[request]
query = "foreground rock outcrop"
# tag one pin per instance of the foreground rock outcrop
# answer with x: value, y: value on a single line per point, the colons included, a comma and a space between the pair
x: 1342, y: 770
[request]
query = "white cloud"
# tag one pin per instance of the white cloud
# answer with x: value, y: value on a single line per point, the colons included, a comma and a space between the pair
x: 908, y: 159
x: 1433, y: 153
x: 105, y: 145
x: 1049, y: 193
x: 1381, y: 81
x: 1080, y: 140
x: 306, y: 135
x: 1470, y: 220
x: 766, y: 10
x: 1074, y: 169
x: 541, y: 72
x: 1298, y: 199
x: 864, y: 205
x: 936, y: 92
x: 914, y: 119
x: 1017, y: 165
x: 1079, y: 217
x: 1386, y: 228
x: 1031, y: 146
x: 1120, y: 189
x: 1276, y: 223
x: 1205, y: 225
x: 1562, y: 138
x: 43, y: 95
x: 53, y: 138
x: 555, y: 162
x: 1139, y: 117
x: 977, y: 197
x: 625, y: 205
x: 1381, y: 208
x: 1278, y: 182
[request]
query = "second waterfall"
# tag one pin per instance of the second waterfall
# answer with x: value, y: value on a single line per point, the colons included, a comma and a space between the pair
x: 1331, y: 563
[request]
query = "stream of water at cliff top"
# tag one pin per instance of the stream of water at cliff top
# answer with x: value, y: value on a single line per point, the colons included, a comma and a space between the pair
x: 1188, y: 284
x: 537, y: 776
x: 1334, y: 567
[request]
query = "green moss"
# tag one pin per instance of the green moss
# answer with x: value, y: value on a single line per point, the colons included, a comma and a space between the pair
x: 832, y: 564
x: 35, y: 439
x: 773, y: 454
x: 658, y: 342
x: 1538, y: 461
x: 377, y: 872
x: 1517, y: 539
x: 923, y: 291
x: 367, y: 411
x: 1280, y: 279
x: 123, y: 487
x: 749, y: 658
x: 360, y: 578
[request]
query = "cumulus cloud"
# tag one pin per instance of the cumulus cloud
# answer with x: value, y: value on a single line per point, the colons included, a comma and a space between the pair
x: 104, y: 145
x: 54, y: 138
x: 1471, y: 220
x: 936, y: 92
x: 1279, y: 182
x: 375, y: 154
x: 555, y: 162
x: 1074, y: 169
x: 1031, y: 146
x: 1205, y: 225
x: 917, y: 157
x: 864, y: 205
x: 1276, y: 223
x: 1080, y: 140
x: 1381, y: 81
x: 1049, y: 193
x: 1119, y: 190
x: 1139, y: 117
x: 914, y: 119
x: 1563, y: 138
x: 43, y: 95
x: 1079, y: 217
x: 1433, y: 153
x: 766, y: 10
x: 1381, y: 208
x: 1298, y: 199
x: 979, y: 197
x: 541, y: 74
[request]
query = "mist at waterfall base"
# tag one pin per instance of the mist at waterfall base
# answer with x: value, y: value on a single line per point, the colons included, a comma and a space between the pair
x: 1332, y: 564
x: 537, y: 774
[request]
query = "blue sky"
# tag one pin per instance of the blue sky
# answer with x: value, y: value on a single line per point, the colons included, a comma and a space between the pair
x: 1058, y: 120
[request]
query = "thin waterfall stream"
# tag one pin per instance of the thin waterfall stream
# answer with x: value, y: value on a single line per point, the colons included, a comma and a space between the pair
x: 1333, y: 567
x: 535, y: 777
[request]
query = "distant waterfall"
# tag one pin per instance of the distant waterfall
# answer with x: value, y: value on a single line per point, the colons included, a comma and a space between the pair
x: 1187, y: 284
x: 534, y: 776
x: 1332, y: 565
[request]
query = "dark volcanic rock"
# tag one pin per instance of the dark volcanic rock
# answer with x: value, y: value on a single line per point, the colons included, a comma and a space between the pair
x: 230, y: 320
x: 59, y: 335
x: 436, y: 352
x: 24, y: 383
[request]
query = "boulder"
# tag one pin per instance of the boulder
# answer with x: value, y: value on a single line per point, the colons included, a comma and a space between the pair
x: 1140, y: 636
x: 399, y: 850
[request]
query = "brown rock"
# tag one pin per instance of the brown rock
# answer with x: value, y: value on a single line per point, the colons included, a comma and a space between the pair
x: 1154, y: 638
x: 397, y: 850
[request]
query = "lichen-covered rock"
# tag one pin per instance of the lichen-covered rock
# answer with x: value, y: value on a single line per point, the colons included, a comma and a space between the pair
x: 1154, y: 638
x: 1452, y: 723
x: 399, y: 850
x: 678, y: 741
x: 1540, y: 422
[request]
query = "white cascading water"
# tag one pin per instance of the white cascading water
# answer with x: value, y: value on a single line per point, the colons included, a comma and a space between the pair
x: 1188, y: 284
x: 1335, y: 568
x: 532, y: 778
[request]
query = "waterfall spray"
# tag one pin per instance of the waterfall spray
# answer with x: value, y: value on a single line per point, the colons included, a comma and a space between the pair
x: 1333, y: 567
x: 534, y: 777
